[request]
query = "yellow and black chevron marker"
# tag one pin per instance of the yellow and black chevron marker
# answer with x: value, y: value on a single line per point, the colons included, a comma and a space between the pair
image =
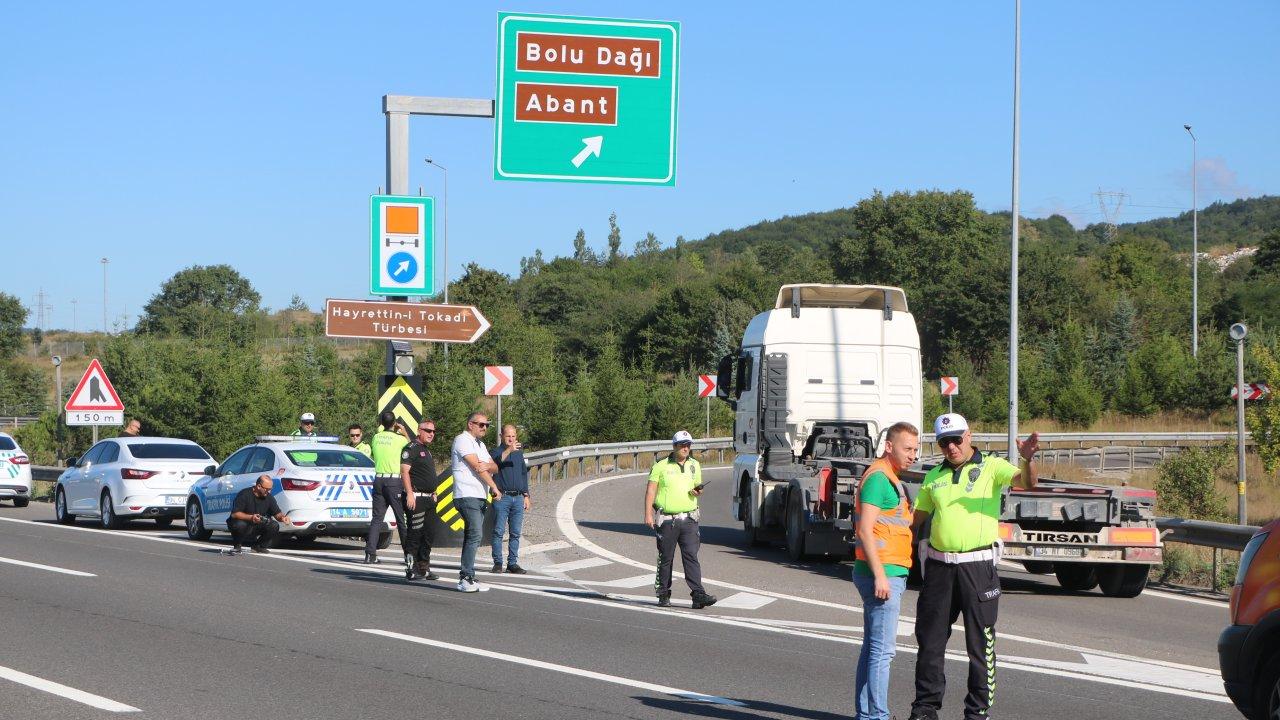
x: 449, y: 516
x: 402, y: 395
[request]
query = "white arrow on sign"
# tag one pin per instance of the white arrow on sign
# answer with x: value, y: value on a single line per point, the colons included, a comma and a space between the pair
x: 706, y: 385
x: 592, y: 147
x: 402, y: 268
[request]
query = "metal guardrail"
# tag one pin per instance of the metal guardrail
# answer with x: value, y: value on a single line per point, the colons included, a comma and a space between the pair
x: 1223, y: 536
x: 17, y: 420
x: 546, y: 465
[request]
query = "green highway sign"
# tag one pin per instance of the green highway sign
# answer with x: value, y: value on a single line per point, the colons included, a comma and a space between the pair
x: 586, y: 99
x: 403, y: 242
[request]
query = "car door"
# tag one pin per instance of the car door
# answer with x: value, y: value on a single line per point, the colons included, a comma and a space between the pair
x: 75, y: 486
x: 221, y: 491
x: 99, y: 477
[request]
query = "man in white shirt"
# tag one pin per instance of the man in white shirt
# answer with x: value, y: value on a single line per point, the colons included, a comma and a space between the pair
x: 473, y: 470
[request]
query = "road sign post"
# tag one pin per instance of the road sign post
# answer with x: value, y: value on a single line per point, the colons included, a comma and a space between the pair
x: 1238, y: 332
x: 586, y: 99
x: 707, y: 388
x: 499, y: 381
x: 950, y: 387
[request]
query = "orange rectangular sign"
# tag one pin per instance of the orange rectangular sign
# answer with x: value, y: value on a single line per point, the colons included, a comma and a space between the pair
x: 588, y: 54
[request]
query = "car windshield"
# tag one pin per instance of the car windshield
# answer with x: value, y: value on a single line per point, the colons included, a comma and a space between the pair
x: 168, y: 451
x: 327, y: 457
x: 7, y: 443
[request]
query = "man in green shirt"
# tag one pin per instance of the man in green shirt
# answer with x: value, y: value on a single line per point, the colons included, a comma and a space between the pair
x: 387, y: 485
x: 963, y: 495
x: 671, y: 509
x: 306, y: 426
x: 356, y: 435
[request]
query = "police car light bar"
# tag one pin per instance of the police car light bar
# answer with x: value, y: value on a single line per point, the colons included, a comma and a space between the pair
x: 297, y: 438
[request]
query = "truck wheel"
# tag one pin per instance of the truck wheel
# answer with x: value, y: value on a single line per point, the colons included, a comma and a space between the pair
x: 1076, y: 576
x: 1038, y: 567
x: 1123, y: 581
x: 749, y: 529
x: 795, y: 528
x: 1266, y: 690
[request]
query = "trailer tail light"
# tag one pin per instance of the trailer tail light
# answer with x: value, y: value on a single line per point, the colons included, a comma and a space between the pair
x: 1144, y: 554
x: 20, y: 460
x: 1134, y: 536
x: 132, y: 474
x: 296, y: 484
x: 1006, y: 531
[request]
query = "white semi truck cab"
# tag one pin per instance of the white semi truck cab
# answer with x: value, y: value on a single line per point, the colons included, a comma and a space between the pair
x: 815, y: 383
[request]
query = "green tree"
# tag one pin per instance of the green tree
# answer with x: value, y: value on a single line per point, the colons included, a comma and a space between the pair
x: 1263, y: 418
x: 211, y: 302
x: 13, y: 315
x: 1267, y: 259
x: 648, y: 246
x: 615, y: 239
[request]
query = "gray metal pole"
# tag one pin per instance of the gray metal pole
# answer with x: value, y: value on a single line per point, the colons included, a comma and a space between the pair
x: 397, y: 153
x: 1240, y: 479
x: 1195, y: 253
x: 104, y: 262
x: 57, y: 382
x: 1013, y: 250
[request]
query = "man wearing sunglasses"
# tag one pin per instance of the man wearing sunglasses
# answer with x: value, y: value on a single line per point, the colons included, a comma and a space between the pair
x: 671, y: 511
x: 473, y: 470
x: 356, y: 434
x: 963, y: 496
x: 418, y: 473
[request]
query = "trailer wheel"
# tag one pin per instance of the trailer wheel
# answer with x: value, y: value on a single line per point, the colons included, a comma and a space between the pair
x: 1123, y: 581
x: 795, y: 526
x: 1076, y: 576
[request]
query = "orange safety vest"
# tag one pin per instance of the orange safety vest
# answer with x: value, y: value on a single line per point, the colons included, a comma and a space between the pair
x: 893, y: 527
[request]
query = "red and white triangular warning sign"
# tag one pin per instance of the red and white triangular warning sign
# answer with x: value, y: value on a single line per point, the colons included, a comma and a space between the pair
x: 94, y: 392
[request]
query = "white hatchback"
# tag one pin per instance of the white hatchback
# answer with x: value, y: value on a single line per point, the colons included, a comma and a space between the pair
x: 15, y: 472
x: 123, y: 478
x: 326, y: 489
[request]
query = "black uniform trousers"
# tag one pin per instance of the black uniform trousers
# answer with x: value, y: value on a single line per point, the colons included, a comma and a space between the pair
x: 971, y: 590
x: 682, y: 532
x: 417, y: 531
x: 387, y: 490
x: 261, y: 534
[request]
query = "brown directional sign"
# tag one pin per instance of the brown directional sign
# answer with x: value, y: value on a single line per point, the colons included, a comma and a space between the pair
x: 378, y: 320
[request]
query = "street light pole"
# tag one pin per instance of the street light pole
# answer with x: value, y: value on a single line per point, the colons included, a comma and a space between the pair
x: 1195, y: 253
x: 1238, y: 333
x: 104, y: 262
x: 1013, y: 250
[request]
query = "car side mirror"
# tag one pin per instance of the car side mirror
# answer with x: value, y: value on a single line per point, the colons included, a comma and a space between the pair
x: 73, y: 462
x: 210, y: 470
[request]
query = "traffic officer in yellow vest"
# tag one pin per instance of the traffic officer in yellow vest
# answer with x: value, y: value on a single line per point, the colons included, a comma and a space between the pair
x: 963, y: 495
x: 882, y: 561
x: 671, y: 509
x: 387, y: 445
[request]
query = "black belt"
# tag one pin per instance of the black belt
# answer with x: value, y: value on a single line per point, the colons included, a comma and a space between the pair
x: 514, y: 492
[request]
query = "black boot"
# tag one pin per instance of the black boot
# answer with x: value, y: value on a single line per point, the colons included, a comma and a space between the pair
x: 702, y: 600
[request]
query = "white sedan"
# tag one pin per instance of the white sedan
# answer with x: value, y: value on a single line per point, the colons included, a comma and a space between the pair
x: 15, y: 472
x: 325, y: 488
x: 123, y: 478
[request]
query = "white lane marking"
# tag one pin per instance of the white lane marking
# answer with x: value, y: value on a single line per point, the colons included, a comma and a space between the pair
x: 69, y: 693
x: 545, y: 547
x: 555, y: 667
x: 1082, y: 671
x: 626, y: 582
x: 745, y: 601
x: 50, y: 568
x: 582, y: 564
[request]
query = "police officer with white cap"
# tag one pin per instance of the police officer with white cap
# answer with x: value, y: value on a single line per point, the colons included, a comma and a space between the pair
x: 963, y: 496
x: 306, y: 426
x: 671, y: 509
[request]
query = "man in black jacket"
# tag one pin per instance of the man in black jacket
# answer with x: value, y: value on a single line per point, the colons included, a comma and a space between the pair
x: 255, y: 517
x: 418, y: 472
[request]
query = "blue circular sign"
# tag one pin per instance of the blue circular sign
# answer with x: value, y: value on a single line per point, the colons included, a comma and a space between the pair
x: 402, y: 267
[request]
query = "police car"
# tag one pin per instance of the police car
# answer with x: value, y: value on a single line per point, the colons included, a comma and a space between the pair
x: 15, y: 472
x: 325, y: 488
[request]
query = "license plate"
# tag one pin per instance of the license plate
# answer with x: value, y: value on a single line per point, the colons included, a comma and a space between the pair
x: 1057, y: 552
x: 172, y: 499
x: 348, y: 512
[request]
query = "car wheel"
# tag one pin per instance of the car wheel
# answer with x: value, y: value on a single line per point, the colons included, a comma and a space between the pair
x: 1266, y: 691
x: 21, y: 502
x: 195, y: 522
x: 108, y: 518
x: 384, y: 540
x: 60, y: 508
x: 795, y: 527
x: 1076, y: 576
x: 164, y: 522
x: 1123, y: 581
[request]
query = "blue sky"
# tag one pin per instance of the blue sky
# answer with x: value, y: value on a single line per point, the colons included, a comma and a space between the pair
x: 163, y: 135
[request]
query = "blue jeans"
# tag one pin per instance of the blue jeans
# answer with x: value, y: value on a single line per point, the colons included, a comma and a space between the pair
x: 509, y: 509
x: 879, y: 643
x: 472, y: 511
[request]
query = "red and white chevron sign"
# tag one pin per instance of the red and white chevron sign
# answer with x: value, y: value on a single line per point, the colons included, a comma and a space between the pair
x: 497, y: 380
x: 1252, y: 391
x: 949, y: 385
x: 706, y: 386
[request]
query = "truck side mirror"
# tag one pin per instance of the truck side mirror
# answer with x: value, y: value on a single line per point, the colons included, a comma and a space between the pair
x: 724, y: 381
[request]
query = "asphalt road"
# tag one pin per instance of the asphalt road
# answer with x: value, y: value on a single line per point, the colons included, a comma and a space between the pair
x: 145, y: 619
